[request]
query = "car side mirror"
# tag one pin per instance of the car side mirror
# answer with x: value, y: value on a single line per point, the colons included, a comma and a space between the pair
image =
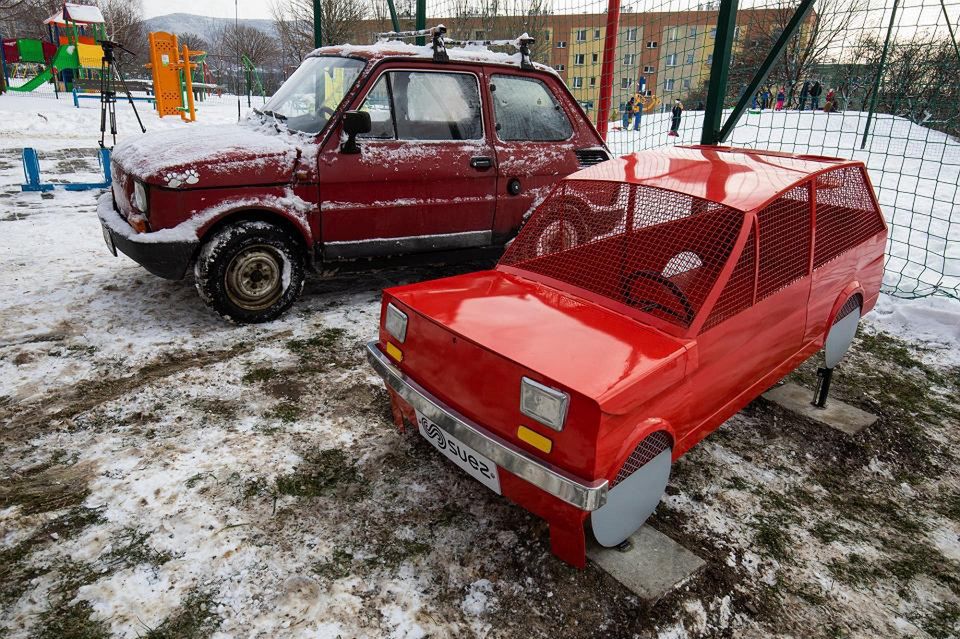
x: 354, y: 124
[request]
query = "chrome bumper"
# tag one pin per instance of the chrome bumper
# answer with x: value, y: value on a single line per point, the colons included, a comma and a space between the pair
x: 585, y: 495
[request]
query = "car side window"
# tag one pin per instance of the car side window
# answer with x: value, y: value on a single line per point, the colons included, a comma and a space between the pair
x: 784, y: 240
x: 526, y: 110
x: 846, y: 214
x: 377, y: 104
x: 417, y: 105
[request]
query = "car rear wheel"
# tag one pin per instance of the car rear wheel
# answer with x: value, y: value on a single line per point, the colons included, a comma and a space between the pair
x: 250, y: 272
x: 634, y: 492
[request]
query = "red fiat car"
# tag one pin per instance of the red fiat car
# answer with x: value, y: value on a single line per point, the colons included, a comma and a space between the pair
x: 648, y: 299
x: 365, y: 152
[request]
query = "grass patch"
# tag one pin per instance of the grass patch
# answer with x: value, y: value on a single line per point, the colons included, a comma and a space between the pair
x: 288, y: 412
x: 217, y: 407
x: 828, y: 531
x: 255, y: 375
x: 319, y: 474
x: 853, y: 570
x: 943, y: 622
x: 324, y: 341
x: 339, y: 565
x: 196, y: 618
x: 133, y: 548
x: 71, y: 622
x: 394, y: 552
x: 772, y: 536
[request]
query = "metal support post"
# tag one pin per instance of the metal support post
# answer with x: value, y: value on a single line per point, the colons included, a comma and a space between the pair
x: 876, y: 81
x: 606, y: 71
x: 717, y: 88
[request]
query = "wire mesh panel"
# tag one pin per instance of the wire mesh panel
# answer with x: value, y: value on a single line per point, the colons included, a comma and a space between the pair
x: 650, y: 447
x: 845, y: 214
x: 655, y: 250
x: 784, y: 241
x: 737, y: 294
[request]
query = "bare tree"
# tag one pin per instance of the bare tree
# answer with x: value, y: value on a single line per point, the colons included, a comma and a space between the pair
x: 341, y: 23
x: 194, y: 41
x: 125, y: 25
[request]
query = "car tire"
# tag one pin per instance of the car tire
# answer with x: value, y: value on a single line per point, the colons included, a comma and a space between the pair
x: 250, y: 272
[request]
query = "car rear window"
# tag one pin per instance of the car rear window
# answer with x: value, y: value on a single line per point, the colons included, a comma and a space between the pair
x: 653, y: 250
x: 526, y: 110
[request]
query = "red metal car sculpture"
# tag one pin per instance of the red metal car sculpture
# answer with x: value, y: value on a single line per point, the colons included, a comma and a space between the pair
x: 647, y: 300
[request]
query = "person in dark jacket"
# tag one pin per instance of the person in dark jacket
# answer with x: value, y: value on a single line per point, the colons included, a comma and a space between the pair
x: 815, y: 92
x: 627, y: 114
x: 675, y: 122
x: 804, y: 94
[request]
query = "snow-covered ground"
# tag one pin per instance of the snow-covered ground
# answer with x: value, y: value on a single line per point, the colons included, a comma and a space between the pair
x: 166, y: 474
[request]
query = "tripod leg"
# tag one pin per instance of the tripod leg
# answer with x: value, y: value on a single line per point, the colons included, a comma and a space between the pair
x: 126, y: 90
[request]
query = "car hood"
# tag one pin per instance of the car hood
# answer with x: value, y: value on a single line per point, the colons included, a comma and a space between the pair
x: 588, y: 348
x: 192, y: 157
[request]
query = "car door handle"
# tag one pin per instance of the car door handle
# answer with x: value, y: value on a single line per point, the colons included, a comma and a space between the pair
x: 481, y: 163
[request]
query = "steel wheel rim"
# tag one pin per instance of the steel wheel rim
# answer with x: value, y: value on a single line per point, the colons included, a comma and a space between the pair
x: 254, y: 277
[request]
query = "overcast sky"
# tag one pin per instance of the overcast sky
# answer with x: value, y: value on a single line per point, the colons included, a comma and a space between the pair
x: 216, y: 8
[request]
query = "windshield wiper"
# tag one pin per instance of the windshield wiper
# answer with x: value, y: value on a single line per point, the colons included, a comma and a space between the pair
x: 273, y: 114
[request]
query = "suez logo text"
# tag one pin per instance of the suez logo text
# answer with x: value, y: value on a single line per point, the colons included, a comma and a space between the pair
x: 433, y: 432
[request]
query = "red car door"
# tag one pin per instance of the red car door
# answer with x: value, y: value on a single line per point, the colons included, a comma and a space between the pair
x: 535, y: 140
x: 425, y: 177
x: 745, y: 341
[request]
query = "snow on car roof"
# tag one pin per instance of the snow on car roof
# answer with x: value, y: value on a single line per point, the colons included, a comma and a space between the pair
x: 396, y: 48
x: 743, y: 179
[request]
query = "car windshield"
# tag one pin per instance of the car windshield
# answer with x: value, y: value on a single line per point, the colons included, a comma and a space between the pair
x: 309, y: 97
x: 653, y: 250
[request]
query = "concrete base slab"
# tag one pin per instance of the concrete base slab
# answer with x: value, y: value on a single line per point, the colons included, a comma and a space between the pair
x: 653, y: 565
x: 835, y: 414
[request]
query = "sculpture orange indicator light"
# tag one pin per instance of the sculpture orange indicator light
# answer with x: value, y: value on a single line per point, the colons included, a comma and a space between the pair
x: 646, y: 301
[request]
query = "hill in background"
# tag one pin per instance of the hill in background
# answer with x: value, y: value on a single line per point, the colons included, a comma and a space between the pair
x: 203, y: 25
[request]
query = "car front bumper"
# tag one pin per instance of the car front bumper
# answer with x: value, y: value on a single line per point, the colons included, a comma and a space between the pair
x: 166, y: 257
x: 586, y: 495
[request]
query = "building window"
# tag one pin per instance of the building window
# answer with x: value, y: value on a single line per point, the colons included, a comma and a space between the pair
x: 479, y: 34
x: 632, y: 35
x: 546, y: 36
x: 713, y: 33
x: 624, y: 83
x: 581, y: 35
x: 578, y: 82
x: 560, y: 67
x: 596, y: 34
x: 651, y: 44
x: 629, y: 59
x: 673, y: 34
x: 689, y: 58
x: 561, y: 44
x: 593, y: 82
x: 692, y: 32
x: 594, y: 58
x: 649, y: 69
x: 671, y: 59
x: 668, y: 84
x: 710, y: 59
x: 686, y: 83
x: 579, y: 58
x: 736, y: 33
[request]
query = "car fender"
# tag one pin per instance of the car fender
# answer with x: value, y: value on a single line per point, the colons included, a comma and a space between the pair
x: 642, y: 430
x: 851, y: 289
x: 263, y: 212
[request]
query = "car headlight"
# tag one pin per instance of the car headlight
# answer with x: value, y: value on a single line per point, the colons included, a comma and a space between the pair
x: 544, y: 404
x: 140, y: 196
x: 396, y: 323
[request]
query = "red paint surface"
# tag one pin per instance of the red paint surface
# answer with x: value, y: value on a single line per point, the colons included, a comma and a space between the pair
x: 472, y: 337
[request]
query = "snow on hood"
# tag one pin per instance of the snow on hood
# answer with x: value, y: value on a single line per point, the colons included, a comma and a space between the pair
x: 219, y: 155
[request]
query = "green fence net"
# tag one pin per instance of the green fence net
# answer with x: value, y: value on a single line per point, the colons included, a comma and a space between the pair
x: 875, y: 80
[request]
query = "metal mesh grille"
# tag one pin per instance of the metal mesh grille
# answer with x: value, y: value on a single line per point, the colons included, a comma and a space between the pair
x: 655, y: 250
x: 737, y: 293
x: 784, y: 241
x: 846, y: 214
x: 646, y: 450
x: 855, y: 302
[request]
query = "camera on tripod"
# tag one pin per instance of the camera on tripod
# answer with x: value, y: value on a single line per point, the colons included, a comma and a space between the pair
x: 110, y: 73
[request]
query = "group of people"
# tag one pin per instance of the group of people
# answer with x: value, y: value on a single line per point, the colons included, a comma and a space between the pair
x: 810, y: 91
x: 633, y: 109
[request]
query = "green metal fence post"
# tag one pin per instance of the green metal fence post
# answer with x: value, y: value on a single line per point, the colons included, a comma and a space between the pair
x: 798, y: 17
x: 421, y: 20
x: 393, y: 15
x: 876, y: 81
x: 317, y: 24
x: 717, y: 88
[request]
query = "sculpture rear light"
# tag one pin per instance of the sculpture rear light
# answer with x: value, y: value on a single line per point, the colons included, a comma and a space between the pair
x: 646, y: 301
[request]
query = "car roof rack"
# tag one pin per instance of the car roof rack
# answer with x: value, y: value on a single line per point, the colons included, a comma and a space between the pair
x: 439, y: 44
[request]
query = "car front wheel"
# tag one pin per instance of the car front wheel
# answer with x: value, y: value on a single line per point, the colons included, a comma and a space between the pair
x: 250, y: 272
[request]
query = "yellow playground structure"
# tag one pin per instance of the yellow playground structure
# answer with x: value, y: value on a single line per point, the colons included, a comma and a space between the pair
x: 172, y: 69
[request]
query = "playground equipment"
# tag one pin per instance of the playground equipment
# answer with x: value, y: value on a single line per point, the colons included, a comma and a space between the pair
x: 173, y: 69
x: 72, y: 52
x: 31, y: 173
x: 253, y: 79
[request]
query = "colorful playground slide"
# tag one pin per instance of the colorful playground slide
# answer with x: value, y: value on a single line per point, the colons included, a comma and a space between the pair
x: 65, y: 58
